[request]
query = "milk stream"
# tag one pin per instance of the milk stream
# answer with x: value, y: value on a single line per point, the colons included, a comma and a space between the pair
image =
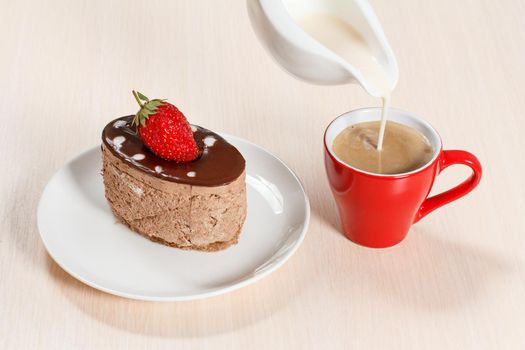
x: 339, y: 37
x: 384, y: 112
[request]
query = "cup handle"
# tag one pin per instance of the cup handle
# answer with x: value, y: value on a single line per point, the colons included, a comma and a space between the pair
x: 449, y: 158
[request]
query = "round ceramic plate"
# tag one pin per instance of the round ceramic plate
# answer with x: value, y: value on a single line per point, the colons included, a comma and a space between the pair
x: 82, y: 236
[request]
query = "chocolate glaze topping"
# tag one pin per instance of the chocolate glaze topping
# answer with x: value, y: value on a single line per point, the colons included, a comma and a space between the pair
x: 219, y: 164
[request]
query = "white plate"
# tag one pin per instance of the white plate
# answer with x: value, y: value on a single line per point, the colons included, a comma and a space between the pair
x: 82, y: 236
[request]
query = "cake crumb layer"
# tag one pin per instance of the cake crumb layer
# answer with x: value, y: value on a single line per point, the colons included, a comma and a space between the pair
x: 175, y: 214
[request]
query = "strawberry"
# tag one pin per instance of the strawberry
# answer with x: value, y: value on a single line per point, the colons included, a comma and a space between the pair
x: 165, y: 130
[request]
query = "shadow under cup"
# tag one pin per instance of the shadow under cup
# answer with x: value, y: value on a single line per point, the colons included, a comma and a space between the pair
x: 377, y: 210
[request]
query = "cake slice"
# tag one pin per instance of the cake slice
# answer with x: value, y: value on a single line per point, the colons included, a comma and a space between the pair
x: 199, y: 204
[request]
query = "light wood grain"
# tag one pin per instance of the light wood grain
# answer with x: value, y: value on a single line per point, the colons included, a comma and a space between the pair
x: 457, y: 282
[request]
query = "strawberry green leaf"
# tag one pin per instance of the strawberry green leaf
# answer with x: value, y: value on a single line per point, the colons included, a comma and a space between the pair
x: 147, y: 107
x: 142, y: 97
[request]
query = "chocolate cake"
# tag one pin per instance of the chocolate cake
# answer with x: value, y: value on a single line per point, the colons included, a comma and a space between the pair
x: 197, y: 205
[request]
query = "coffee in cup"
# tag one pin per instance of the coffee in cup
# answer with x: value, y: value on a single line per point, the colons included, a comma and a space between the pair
x: 404, y: 148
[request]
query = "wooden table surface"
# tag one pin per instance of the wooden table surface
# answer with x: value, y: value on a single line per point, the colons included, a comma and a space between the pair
x: 456, y: 282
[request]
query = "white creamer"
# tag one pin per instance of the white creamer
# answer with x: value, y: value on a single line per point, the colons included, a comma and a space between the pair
x: 339, y: 37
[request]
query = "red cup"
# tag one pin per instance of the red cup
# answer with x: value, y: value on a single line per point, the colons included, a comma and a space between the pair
x: 378, y: 210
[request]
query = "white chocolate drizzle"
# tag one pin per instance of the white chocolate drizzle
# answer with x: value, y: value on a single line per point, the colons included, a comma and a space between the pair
x: 138, y: 156
x: 209, y: 141
x: 119, y: 124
